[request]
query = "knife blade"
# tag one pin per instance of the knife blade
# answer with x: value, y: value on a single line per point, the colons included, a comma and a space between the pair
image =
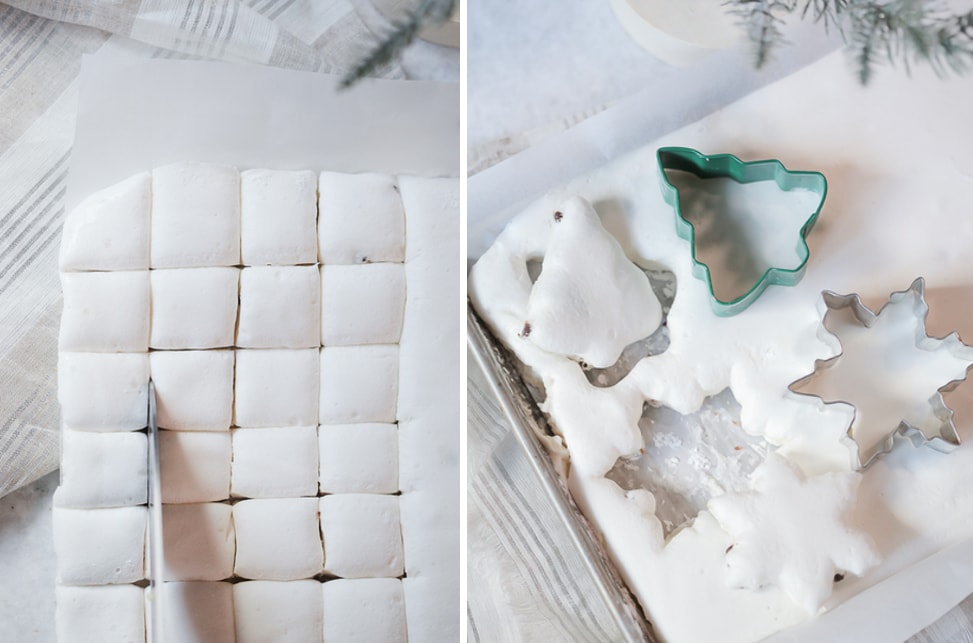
x: 153, y: 541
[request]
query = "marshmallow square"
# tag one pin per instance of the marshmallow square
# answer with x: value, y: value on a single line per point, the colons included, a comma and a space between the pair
x: 198, y: 612
x: 275, y: 463
x: 102, y: 470
x: 364, y: 610
x: 360, y: 219
x: 194, y: 307
x: 278, y: 612
x: 106, y: 614
x: 362, y: 304
x: 359, y: 458
x: 194, y: 389
x: 195, y: 216
x: 104, y: 391
x: 197, y: 541
x: 110, y: 229
x: 105, y: 312
x: 99, y: 546
x: 276, y: 387
x: 362, y: 535
x: 195, y: 466
x: 280, y: 307
x: 278, y: 539
x: 359, y: 383
x: 279, y: 217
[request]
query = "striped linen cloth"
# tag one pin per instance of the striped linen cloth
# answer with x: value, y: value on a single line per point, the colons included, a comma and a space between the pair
x: 41, y: 44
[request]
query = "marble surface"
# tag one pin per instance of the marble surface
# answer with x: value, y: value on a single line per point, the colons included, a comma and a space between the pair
x: 27, y: 563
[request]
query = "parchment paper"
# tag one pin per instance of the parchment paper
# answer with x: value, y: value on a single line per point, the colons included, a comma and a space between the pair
x: 892, y: 610
x: 135, y: 113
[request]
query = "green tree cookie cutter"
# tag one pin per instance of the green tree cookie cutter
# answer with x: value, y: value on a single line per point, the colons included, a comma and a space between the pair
x: 727, y: 165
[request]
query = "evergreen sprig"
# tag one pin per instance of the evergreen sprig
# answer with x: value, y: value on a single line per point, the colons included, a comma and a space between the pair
x: 426, y: 14
x: 896, y: 31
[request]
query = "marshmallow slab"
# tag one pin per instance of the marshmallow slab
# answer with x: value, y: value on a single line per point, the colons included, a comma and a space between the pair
x: 110, y: 229
x: 362, y: 304
x: 278, y: 539
x: 195, y: 466
x: 280, y: 307
x: 106, y: 614
x: 99, y: 546
x: 359, y: 458
x: 105, y: 312
x: 103, y: 391
x: 198, y: 612
x: 194, y: 389
x: 275, y: 463
x: 198, y: 540
x: 364, y: 610
x: 359, y: 384
x: 278, y: 612
x: 102, y: 470
x: 276, y: 388
x: 279, y: 217
x: 362, y: 535
x: 194, y: 307
x: 360, y: 219
x: 195, y: 216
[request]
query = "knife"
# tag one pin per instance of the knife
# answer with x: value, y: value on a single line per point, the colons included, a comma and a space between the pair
x: 153, y: 542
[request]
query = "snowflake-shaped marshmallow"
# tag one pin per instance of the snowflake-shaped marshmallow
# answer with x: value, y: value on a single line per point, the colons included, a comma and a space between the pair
x: 793, y: 531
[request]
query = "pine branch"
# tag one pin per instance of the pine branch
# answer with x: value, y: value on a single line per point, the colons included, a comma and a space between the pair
x: 901, y: 31
x: 762, y: 22
x: 427, y: 13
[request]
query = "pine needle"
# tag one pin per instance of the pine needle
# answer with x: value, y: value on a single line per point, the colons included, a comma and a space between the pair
x: 427, y: 13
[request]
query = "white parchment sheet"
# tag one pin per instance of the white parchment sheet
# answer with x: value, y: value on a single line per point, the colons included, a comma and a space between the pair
x: 134, y: 114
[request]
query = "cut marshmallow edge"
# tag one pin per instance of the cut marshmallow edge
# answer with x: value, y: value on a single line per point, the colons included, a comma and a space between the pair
x: 350, y: 536
x: 214, y: 390
x: 303, y: 611
x: 194, y: 215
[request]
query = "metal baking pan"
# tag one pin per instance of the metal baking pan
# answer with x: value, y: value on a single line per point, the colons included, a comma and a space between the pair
x: 529, y: 425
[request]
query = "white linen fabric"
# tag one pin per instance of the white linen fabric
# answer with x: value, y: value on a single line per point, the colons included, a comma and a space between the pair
x: 41, y: 44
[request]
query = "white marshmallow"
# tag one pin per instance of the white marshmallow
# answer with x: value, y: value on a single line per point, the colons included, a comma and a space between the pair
x: 198, y: 541
x: 275, y: 463
x: 110, y: 229
x: 364, y: 610
x: 194, y: 307
x: 102, y: 470
x: 359, y: 384
x: 276, y: 388
x: 359, y: 458
x: 278, y: 539
x: 99, y: 546
x: 194, y: 389
x: 362, y: 536
x: 279, y: 217
x: 360, y: 219
x: 106, y: 614
x: 103, y: 391
x: 280, y: 307
x: 278, y: 612
x: 195, y: 466
x: 198, y: 612
x: 362, y: 304
x: 195, y: 216
x: 105, y: 312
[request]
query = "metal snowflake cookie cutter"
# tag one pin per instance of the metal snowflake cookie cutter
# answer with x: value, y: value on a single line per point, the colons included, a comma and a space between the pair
x: 729, y: 166
x: 946, y: 438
